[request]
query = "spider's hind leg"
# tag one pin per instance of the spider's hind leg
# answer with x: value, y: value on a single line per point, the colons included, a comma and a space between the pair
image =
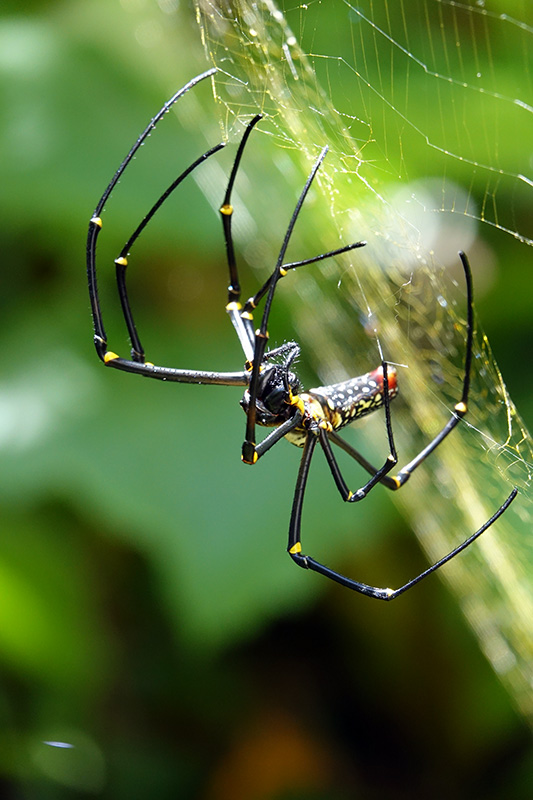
x: 306, y: 562
x: 121, y: 263
x: 95, y: 227
x: 459, y: 411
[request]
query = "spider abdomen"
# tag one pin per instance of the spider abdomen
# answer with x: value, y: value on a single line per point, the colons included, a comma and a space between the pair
x: 344, y: 402
x: 341, y: 403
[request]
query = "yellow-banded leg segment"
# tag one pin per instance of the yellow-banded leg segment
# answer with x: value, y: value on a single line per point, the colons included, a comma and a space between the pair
x: 137, y: 350
x: 226, y: 213
x: 95, y: 223
x: 274, y: 437
x: 306, y: 562
x: 234, y: 287
x: 460, y: 409
x: 100, y: 338
x: 121, y: 263
x: 386, y: 480
x: 243, y: 324
x: 249, y: 455
x: 252, y: 302
x: 294, y: 547
x: 403, y: 475
x: 284, y: 269
x: 242, y: 319
x: 347, y: 495
x: 173, y: 374
x: 279, y: 270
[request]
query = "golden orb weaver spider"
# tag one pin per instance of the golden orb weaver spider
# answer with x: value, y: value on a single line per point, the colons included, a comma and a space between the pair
x: 273, y: 396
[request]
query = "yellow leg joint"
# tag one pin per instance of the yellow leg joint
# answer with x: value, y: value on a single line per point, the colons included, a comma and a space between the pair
x: 109, y: 356
x: 461, y: 408
x: 227, y: 210
x: 296, y: 400
x: 247, y: 460
x: 233, y: 306
x: 96, y: 221
x: 121, y: 261
x: 295, y: 549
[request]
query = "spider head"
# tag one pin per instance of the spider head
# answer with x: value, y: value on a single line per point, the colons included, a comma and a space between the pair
x: 274, y: 388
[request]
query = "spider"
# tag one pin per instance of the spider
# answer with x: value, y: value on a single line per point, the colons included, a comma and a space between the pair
x: 273, y: 395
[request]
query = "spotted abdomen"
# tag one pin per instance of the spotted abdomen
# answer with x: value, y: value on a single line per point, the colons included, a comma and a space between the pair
x: 344, y: 402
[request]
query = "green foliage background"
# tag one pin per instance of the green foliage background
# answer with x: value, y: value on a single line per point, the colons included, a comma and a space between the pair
x: 148, y: 614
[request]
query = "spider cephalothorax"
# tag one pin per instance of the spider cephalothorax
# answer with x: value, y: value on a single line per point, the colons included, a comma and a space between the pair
x: 276, y: 387
x: 273, y: 396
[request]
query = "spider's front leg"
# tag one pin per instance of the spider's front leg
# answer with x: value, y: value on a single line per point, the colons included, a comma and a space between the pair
x: 254, y: 343
x: 459, y: 411
x: 137, y: 364
x: 121, y: 263
x: 250, y: 451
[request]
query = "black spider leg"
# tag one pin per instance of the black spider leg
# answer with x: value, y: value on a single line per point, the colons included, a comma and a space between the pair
x: 242, y: 323
x: 292, y: 349
x: 242, y: 317
x: 321, y: 432
x: 252, y: 302
x: 137, y: 364
x: 251, y: 452
x: 294, y: 546
x: 386, y: 480
x: 375, y: 592
x: 459, y: 411
x: 377, y: 475
x: 95, y: 224
x: 121, y: 263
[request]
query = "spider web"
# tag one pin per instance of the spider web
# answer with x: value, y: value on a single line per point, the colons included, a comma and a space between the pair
x: 414, y: 102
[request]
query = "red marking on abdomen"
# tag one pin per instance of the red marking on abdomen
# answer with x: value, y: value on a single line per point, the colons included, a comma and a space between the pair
x: 377, y: 375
